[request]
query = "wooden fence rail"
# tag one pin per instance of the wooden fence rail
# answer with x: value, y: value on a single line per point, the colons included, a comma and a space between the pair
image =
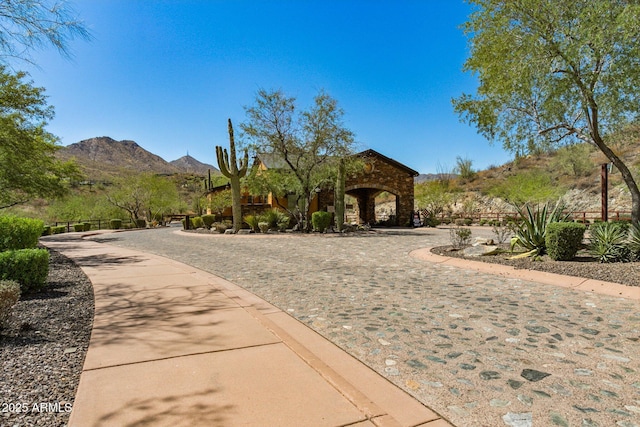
x: 580, y: 216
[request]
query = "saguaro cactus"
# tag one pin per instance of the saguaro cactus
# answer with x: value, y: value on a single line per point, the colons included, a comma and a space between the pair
x: 230, y: 168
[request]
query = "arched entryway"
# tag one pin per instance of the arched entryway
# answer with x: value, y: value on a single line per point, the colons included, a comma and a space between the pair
x: 366, y: 206
x: 382, y: 174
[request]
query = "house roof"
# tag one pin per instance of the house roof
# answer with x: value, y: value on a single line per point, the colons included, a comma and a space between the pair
x: 271, y: 160
x: 374, y: 153
x: 275, y: 161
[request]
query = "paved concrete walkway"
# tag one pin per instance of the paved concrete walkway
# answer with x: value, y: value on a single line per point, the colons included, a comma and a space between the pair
x: 480, y: 349
x: 173, y: 345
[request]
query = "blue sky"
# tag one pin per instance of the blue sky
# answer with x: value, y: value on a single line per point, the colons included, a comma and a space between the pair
x: 167, y: 74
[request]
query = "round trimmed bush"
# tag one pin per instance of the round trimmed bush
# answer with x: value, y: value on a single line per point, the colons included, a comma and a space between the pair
x: 563, y: 239
x: 28, y: 267
x: 19, y: 233
x: 320, y: 220
x: 115, y: 224
x: 208, y: 220
x: 196, y: 222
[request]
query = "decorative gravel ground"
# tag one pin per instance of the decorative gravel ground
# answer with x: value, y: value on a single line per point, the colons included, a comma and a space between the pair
x: 42, y: 349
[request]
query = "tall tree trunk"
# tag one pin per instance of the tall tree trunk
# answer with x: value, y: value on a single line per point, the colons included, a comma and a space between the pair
x: 626, y: 176
x: 339, y: 196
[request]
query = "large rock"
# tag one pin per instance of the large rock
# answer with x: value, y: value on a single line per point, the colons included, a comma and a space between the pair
x: 483, y: 241
x: 480, y: 250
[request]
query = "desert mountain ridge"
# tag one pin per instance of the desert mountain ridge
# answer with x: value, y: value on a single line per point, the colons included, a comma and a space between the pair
x: 104, y: 156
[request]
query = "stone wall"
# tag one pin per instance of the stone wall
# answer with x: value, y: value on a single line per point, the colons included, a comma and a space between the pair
x: 381, y: 175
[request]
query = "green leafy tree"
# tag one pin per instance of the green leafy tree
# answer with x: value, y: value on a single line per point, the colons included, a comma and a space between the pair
x: 219, y: 201
x: 144, y: 195
x: 28, y: 168
x: 306, y: 145
x: 81, y: 205
x: 433, y: 197
x: 553, y: 72
x: 27, y: 25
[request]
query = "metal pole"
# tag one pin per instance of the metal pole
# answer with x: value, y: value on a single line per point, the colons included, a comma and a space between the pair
x: 604, y: 181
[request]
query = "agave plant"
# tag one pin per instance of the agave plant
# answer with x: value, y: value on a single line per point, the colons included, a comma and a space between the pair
x: 532, y: 229
x: 609, y: 242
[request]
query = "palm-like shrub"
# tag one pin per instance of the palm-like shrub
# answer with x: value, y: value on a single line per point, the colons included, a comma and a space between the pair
x: 271, y: 217
x: 252, y: 221
x: 609, y: 242
x: 532, y: 230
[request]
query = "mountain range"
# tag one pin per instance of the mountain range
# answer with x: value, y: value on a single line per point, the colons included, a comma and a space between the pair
x: 104, y: 156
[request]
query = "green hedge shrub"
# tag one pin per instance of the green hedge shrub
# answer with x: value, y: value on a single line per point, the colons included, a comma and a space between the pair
x: 563, y: 239
x: 46, y: 230
x: 320, y: 220
x: 9, y: 296
x: 59, y: 229
x: 197, y: 222
x: 28, y: 267
x: 208, y: 220
x: 19, y: 233
x: 430, y: 221
x: 141, y: 223
x: 115, y: 224
x: 87, y: 226
x: 78, y: 227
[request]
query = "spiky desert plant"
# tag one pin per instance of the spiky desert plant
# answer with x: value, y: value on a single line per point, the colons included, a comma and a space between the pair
x: 229, y: 167
x: 532, y: 229
x: 609, y: 242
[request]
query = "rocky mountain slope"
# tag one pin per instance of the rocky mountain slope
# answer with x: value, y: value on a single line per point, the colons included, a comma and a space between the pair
x: 103, y: 157
x: 189, y: 164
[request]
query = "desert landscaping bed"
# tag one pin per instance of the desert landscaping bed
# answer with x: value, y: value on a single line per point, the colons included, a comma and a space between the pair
x: 627, y: 273
x: 43, y: 346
